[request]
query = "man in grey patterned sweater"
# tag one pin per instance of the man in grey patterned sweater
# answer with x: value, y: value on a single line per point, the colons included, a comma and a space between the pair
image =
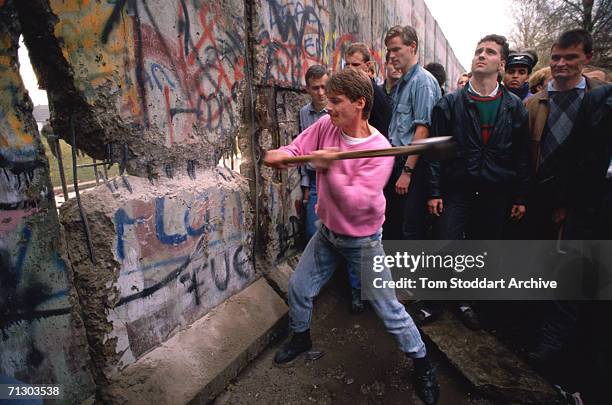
x: 552, y: 113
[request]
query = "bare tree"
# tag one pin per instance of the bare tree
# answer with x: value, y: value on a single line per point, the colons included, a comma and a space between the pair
x: 537, y: 23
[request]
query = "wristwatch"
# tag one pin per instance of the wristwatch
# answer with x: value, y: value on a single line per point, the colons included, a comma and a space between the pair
x: 408, y: 170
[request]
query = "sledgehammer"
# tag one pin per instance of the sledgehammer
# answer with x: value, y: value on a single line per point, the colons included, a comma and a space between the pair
x: 440, y: 147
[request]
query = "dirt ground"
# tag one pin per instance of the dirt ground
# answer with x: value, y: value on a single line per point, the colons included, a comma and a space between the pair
x: 361, y: 365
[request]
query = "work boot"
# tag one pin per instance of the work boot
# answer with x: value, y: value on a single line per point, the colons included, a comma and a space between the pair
x: 299, y: 343
x: 425, y: 382
x: 357, y: 305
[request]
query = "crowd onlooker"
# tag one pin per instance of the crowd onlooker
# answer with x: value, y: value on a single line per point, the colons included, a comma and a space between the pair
x: 357, y: 56
x: 416, y: 94
x: 438, y: 71
x: 316, y: 78
x: 462, y: 80
x: 517, y: 71
x: 392, y: 76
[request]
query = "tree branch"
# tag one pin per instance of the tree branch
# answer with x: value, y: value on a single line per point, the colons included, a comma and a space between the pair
x: 569, y: 3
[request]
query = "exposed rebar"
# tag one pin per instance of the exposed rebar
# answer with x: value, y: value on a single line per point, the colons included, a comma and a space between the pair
x: 255, y: 154
x: 60, y: 164
x: 75, y: 180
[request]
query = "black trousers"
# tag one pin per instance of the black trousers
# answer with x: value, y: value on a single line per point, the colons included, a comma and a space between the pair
x: 474, y: 212
x: 406, y: 215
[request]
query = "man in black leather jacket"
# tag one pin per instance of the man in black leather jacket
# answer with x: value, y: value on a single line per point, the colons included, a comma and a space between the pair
x: 474, y: 194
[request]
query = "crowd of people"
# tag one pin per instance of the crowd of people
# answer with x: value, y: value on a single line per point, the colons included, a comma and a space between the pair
x: 534, y: 161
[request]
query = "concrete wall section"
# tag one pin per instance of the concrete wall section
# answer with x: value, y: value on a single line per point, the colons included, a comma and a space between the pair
x: 282, y: 230
x: 441, y: 44
x: 163, y: 77
x: 42, y: 338
x: 165, y: 255
x: 429, y: 42
x: 454, y: 69
x: 418, y: 22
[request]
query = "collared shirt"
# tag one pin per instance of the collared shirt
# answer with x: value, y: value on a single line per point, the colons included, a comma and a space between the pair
x: 580, y: 86
x: 415, y: 95
x: 473, y: 90
x: 308, y: 116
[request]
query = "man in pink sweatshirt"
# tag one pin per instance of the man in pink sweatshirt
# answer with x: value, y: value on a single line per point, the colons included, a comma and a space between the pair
x: 351, y: 208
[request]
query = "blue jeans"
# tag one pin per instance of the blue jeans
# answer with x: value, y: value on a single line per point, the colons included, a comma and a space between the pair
x: 317, y: 265
x: 311, y: 223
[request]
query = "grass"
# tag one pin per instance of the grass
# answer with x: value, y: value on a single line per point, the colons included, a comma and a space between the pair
x: 84, y: 174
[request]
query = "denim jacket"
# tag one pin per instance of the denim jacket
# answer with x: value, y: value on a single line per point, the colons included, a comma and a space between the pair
x: 415, y: 96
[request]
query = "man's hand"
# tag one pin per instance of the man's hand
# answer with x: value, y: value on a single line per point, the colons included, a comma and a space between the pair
x: 274, y: 158
x: 559, y: 215
x: 435, y: 206
x: 402, y: 184
x: 323, y: 159
x: 517, y: 212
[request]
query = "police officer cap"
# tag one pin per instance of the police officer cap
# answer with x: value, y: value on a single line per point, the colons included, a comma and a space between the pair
x: 521, y: 59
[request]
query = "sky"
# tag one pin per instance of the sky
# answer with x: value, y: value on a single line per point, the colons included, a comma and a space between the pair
x: 29, y: 78
x: 465, y: 22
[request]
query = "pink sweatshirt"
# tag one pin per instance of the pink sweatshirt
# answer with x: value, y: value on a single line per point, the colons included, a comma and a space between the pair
x: 350, y: 192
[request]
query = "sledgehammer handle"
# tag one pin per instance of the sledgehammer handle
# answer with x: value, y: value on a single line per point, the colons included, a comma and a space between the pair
x: 414, y: 149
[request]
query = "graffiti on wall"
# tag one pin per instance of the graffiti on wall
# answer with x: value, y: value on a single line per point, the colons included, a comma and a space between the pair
x: 179, y: 255
x: 175, y: 71
x: 35, y: 309
x: 24, y: 197
x: 294, y: 35
x: 297, y: 35
x: 287, y: 223
x: 38, y: 334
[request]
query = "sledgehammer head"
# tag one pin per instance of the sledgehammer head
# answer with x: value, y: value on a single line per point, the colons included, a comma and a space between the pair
x: 442, y: 151
x: 440, y: 148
